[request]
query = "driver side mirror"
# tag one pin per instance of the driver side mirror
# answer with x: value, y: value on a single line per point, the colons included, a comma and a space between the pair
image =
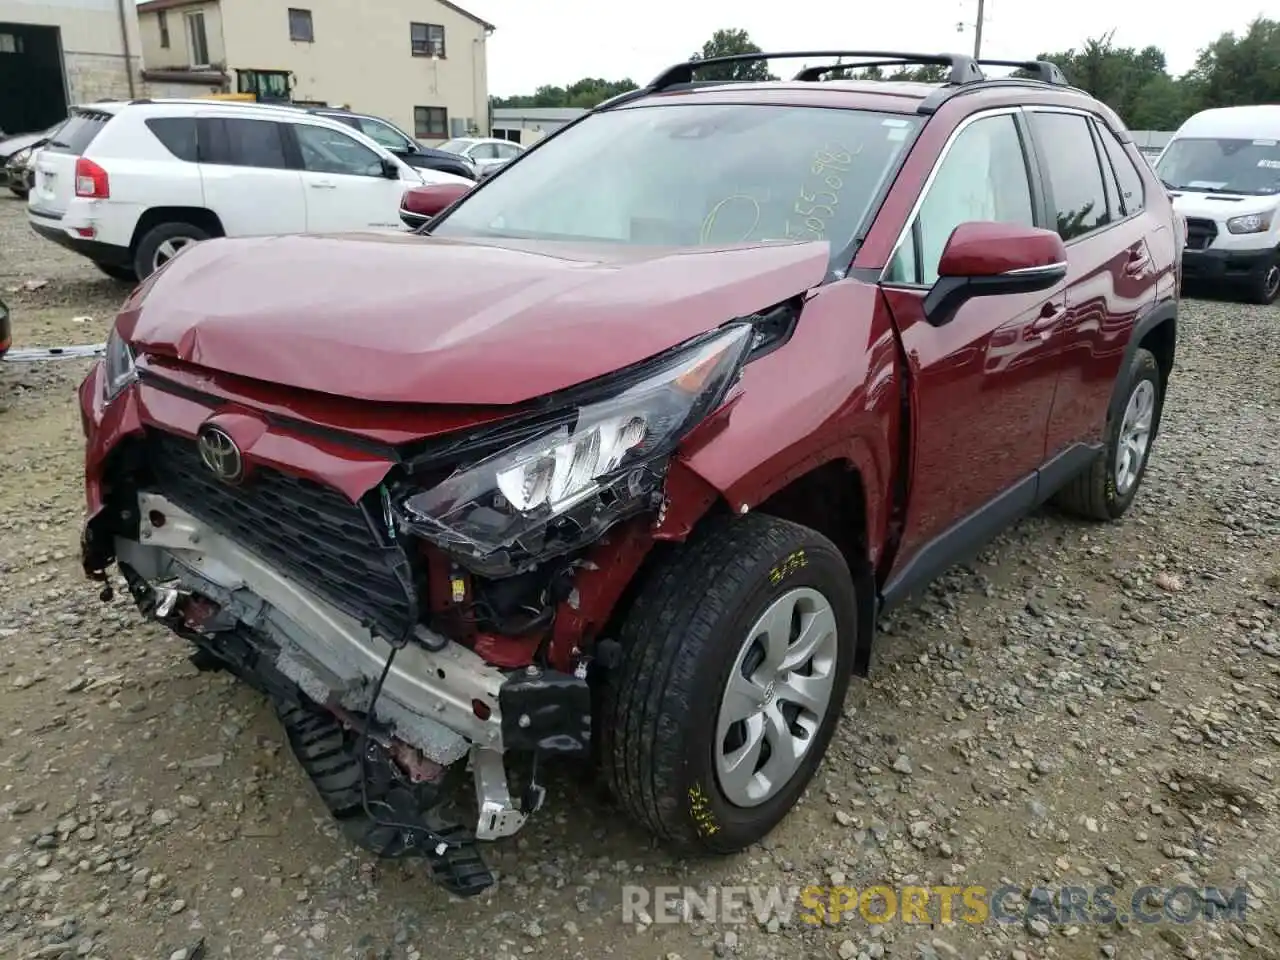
x: 390, y: 169
x: 983, y: 259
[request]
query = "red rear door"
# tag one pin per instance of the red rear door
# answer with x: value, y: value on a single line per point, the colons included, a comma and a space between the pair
x: 1113, y: 273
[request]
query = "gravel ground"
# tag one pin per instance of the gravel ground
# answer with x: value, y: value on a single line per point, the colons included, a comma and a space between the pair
x: 1082, y: 705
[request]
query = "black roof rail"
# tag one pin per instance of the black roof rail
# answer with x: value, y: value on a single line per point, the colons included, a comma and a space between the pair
x: 937, y: 98
x: 963, y: 68
x: 1046, y: 71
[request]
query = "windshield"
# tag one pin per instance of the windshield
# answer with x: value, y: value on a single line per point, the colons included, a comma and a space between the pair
x: 454, y: 146
x: 694, y: 175
x: 1223, y: 166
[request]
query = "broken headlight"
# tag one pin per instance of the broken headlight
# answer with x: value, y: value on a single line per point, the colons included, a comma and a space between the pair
x: 117, y: 366
x: 605, y: 461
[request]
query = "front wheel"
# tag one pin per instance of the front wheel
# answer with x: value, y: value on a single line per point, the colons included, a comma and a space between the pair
x: 1265, y: 287
x: 737, y: 653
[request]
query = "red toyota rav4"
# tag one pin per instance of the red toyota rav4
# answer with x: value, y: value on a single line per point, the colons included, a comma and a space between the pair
x: 624, y: 452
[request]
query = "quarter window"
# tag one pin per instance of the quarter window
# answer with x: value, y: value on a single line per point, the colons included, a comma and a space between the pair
x: 1075, y: 177
x: 1132, y: 195
x: 982, y: 177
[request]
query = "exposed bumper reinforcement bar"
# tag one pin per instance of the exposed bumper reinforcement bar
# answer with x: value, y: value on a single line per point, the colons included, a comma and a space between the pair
x: 430, y: 697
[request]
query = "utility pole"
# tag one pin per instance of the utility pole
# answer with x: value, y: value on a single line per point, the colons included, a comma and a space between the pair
x: 977, y: 32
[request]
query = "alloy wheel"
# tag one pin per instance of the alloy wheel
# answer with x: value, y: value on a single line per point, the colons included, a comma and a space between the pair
x: 1135, y: 435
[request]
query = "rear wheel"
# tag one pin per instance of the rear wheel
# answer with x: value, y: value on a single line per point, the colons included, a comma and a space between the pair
x: 162, y: 243
x: 1107, y: 489
x: 736, y: 657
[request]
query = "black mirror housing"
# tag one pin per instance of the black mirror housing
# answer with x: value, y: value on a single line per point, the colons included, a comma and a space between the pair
x: 949, y: 294
x: 390, y: 169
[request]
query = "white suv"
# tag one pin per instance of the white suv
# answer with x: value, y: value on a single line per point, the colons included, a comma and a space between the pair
x: 128, y: 184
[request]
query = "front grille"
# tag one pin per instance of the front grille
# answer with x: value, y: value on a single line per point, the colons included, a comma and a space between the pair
x: 308, y: 531
x: 1200, y: 233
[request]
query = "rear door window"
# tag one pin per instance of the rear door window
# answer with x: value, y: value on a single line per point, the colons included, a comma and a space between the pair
x: 243, y: 143
x: 178, y: 134
x: 1075, y: 175
x: 78, y: 132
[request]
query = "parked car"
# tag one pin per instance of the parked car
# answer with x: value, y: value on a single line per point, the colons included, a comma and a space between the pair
x: 624, y: 457
x: 1223, y: 168
x: 14, y: 151
x: 486, y: 153
x: 129, y: 184
x: 400, y: 143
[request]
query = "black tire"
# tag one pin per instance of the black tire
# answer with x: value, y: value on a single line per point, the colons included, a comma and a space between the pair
x: 116, y: 272
x: 20, y: 192
x: 144, y: 255
x: 680, y: 639
x: 1093, y: 494
x: 1265, y: 287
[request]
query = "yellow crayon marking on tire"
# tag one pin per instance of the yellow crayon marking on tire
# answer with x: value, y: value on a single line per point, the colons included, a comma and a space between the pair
x: 795, y: 561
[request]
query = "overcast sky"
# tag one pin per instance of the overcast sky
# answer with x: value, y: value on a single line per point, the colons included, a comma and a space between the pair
x: 560, y: 41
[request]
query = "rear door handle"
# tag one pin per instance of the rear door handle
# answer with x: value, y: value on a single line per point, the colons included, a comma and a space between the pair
x: 1050, y: 314
x: 323, y: 185
x: 1138, y: 261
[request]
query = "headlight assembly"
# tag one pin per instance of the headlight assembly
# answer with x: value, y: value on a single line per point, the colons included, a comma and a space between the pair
x: 118, y: 370
x: 1250, y: 223
x: 603, y: 462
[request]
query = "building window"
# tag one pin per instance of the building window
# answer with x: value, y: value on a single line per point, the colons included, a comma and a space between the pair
x: 300, y: 28
x: 162, y: 21
x: 198, y: 39
x: 430, y: 123
x: 427, y: 39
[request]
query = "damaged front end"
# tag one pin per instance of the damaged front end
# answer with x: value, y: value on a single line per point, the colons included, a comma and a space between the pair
x: 434, y: 625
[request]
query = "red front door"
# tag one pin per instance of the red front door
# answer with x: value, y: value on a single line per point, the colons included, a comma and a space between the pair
x: 982, y: 384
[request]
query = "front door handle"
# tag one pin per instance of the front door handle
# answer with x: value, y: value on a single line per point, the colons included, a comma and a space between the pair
x: 1050, y: 314
x: 323, y: 185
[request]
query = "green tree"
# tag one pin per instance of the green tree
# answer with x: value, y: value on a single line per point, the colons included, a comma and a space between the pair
x: 585, y: 93
x: 1233, y: 71
x: 726, y: 43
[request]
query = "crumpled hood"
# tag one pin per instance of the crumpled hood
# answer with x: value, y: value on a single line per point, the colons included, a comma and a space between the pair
x: 399, y: 317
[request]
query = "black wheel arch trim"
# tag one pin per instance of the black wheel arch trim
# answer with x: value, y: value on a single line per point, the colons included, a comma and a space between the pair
x: 1161, y: 312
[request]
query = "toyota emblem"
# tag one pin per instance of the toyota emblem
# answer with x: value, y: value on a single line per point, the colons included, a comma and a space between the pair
x: 220, y: 454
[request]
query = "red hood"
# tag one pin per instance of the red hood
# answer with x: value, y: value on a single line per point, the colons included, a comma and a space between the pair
x: 398, y: 317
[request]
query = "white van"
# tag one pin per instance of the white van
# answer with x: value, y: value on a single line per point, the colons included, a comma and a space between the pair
x: 1222, y: 168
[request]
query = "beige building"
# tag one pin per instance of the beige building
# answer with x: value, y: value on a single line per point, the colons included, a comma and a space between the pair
x: 57, y: 52
x: 419, y: 63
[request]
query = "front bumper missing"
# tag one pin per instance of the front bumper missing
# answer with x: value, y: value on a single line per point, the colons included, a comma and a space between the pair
x: 439, y: 696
